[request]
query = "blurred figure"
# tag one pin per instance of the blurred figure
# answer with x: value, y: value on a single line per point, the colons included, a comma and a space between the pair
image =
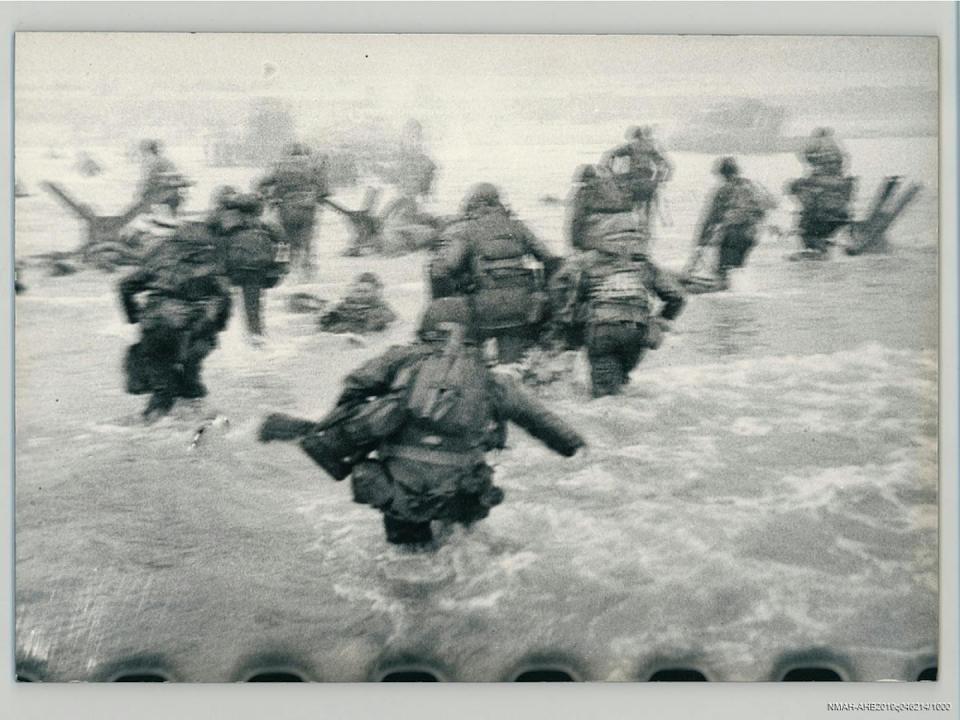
x: 603, y: 300
x: 825, y: 194
x: 160, y: 181
x: 362, y: 311
x: 490, y: 256
x: 295, y: 186
x: 181, y: 300
x: 86, y: 165
x: 823, y: 153
x: 734, y: 214
x: 427, y: 410
x: 256, y: 252
x: 647, y: 167
x: 416, y: 172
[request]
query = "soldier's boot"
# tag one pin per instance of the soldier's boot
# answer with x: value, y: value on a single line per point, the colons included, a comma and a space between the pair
x: 330, y: 449
x: 606, y: 375
x: 404, y: 532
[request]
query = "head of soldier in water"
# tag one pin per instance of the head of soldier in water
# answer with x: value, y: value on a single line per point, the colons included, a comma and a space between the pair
x: 150, y: 147
x: 480, y: 196
x: 727, y: 168
x: 585, y: 174
x: 367, y: 288
x: 234, y: 209
x: 442, y: 316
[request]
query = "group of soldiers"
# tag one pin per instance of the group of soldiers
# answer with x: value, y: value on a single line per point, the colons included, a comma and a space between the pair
x: 412, y: 426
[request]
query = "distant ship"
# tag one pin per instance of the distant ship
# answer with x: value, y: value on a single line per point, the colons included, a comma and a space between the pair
x: 738, y: 127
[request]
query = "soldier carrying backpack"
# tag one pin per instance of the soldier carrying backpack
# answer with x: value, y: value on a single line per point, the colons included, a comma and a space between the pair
x: 413, y: 425
x: 604, y: 300
x: 180, y: 299
x: 497, y: 261
x: 734, y: 214
x: 257, y: 254
x: 294, y: 188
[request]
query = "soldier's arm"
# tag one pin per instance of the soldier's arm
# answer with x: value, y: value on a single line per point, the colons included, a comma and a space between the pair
x: 666, y: 167
x: 512, y: 403
x: 453, y: 253
x: 606, y: 160
x: 669, y: 291
x: 575, y: 219
x: 375, y: 376
x: 132, y: 285
x: 535, y: 246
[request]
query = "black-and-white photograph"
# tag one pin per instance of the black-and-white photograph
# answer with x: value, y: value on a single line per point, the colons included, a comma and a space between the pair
x: 476, y: 358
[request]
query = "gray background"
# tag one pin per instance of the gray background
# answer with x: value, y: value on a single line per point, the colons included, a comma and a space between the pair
x: 500, y: 701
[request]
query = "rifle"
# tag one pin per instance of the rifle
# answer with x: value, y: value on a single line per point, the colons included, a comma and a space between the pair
x: 288, y: 428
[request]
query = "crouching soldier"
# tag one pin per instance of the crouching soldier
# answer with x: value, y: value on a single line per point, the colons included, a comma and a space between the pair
x: 257, y: 253
x: 362, y: 311
x: 496, y: 261
x: 181, y: 300
x: 603, y: 300
x: 412, y: 427
x: 734, y: 215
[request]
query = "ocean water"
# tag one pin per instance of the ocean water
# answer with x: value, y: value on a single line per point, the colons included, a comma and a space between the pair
x: 766, y: 487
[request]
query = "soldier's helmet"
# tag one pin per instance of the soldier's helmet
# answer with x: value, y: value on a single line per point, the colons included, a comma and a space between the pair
x: 585, y: 173
x: 151, y: 146
x: 633, y: 132
x: 727, y: 167
x: 442, y: 311
x: 822, y: 132
x: 223, y: 195
x: 481, y: 195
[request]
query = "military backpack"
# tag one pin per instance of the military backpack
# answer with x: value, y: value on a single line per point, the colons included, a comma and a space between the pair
x: 449, y: 394
x: 620, y: 296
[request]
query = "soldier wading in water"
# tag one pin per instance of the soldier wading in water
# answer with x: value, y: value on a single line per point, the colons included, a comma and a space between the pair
x: 180, y: 298
x: 413, y: 425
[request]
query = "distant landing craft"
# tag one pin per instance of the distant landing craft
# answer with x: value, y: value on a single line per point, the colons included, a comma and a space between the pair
x: 742, y: 127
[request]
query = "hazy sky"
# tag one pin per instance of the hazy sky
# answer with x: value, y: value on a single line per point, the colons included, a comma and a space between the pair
x: 147, y: 62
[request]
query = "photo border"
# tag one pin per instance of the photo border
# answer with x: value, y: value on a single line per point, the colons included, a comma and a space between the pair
x: 468, y: 701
